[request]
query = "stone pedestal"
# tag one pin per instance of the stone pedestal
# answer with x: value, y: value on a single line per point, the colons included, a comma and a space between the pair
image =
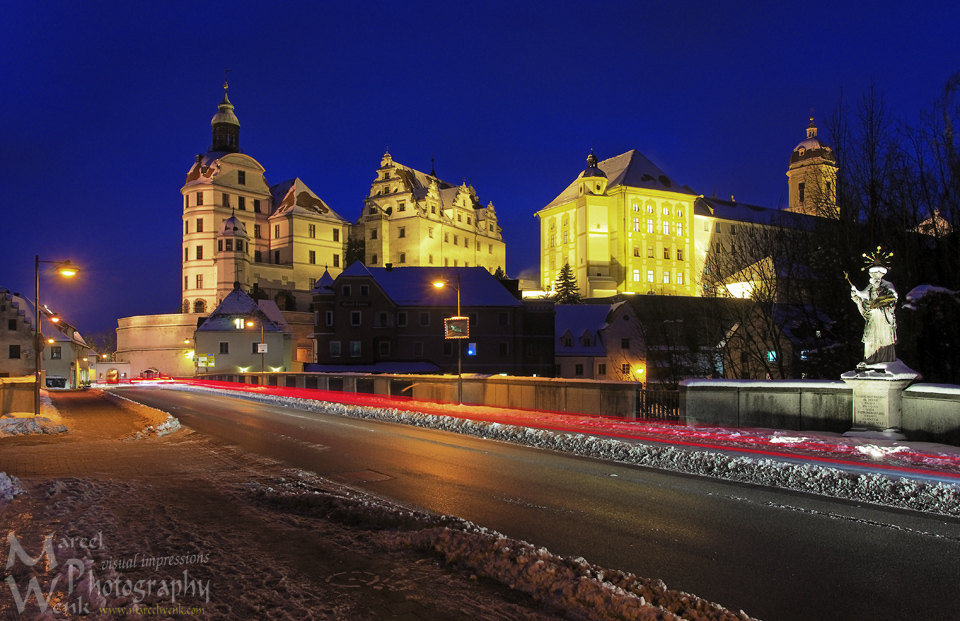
x: 877, y: 393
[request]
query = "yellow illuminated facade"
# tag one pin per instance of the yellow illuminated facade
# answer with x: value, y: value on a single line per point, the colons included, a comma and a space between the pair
x: 623, y: 226
x: 812, y: 177
x: 412, y: 218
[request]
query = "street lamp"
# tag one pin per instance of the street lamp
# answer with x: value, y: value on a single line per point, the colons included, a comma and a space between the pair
x: 260, y: 346
x: 456, y: 328
x: 67, y: 270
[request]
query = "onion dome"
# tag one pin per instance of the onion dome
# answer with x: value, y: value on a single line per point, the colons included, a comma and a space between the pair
x: 592, y: 169
x: 225, y: 126
x: 232, y: 227
x: 811, y: 147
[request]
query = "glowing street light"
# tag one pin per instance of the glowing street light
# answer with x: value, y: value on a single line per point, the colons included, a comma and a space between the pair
x: 261, y: 346
x: 456, y: 328
x: 67, y: 270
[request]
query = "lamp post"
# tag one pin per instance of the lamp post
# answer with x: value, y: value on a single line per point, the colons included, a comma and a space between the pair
x: 260, y: 346
x: 67, y: 270
x: 460, y: 330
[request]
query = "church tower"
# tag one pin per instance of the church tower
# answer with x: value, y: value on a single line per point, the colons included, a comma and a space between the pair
x: 812, y: 177
x: 225, y: 126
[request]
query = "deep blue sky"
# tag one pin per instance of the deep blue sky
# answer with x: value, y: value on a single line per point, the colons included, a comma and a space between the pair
x: 105, y: 105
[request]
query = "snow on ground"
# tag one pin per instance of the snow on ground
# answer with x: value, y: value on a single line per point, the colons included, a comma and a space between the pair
x: 25, y: 423
x: 9, y: 487
x: 878, y: 488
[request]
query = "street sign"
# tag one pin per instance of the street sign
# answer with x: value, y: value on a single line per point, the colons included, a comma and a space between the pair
x: 456, y: 328
x: 204, y: 360
x: 261, y: 348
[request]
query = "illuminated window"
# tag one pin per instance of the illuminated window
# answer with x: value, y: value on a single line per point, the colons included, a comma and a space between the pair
x: 666, y: 228
x: 649, y: 275
x: 625, y: 369
x: 553, y: 239
x: 56, y: 353
x: 649, y: 226
x: 666, y: 278
x: 649, y: 208
x: 636, y: 224
x: 636, y: 207
x: 242, y: 177
x: 636, y: 275
x: 771, y: 356
x: 679, y: 212
x: 679, y: 229
x: 566, y: 237
x: 679, y: 278
x: 649, y: 252
x: 666, y: 210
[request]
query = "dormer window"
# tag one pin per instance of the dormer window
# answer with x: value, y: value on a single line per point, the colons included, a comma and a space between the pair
x: 241, y: 177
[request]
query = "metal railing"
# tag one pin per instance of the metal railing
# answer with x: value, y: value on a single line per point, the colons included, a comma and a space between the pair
x: 658, y: 404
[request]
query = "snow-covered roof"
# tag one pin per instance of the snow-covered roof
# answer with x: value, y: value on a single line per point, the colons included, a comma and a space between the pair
x: 413, y: 286
x: 238, y: 303
x: 293, y: 196
x: 576, y: 320
x: 743, y: 212
x: 630, y: 169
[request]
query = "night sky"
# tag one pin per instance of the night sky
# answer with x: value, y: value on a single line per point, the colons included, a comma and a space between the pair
x: 105, y: 105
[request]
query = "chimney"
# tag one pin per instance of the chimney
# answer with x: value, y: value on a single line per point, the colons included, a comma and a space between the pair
x: 388, y: 266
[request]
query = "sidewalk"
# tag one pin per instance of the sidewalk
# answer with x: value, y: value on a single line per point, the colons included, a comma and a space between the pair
x: 185, y: 496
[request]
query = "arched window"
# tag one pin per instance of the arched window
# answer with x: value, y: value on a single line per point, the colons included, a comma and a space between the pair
x: 186, y: 306
x: 199, y: 306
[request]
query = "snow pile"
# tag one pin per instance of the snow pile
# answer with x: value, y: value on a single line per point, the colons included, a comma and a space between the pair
x: 564, y: 583
x: 9, y: 487
x: 31, y: 425
x: 812, y: 478
x: 170, y: 425
x: 572, y: 585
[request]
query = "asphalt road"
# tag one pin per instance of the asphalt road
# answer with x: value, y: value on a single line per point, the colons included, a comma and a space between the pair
x: 774, y: 554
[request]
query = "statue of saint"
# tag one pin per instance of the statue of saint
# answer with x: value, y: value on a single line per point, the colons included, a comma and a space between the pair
x: 877, y: 302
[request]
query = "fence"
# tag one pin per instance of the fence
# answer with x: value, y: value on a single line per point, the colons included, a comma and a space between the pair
x: 658, y: 404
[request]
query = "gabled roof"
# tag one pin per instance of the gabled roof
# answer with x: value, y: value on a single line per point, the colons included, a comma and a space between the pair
x: 413, y: 286
x: 293, y: 196
x: 631, y: 169
x: 578, y: 319
x: 238, y: 303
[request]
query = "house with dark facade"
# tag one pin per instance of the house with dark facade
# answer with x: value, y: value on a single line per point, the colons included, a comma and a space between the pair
x: 392, y: 320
